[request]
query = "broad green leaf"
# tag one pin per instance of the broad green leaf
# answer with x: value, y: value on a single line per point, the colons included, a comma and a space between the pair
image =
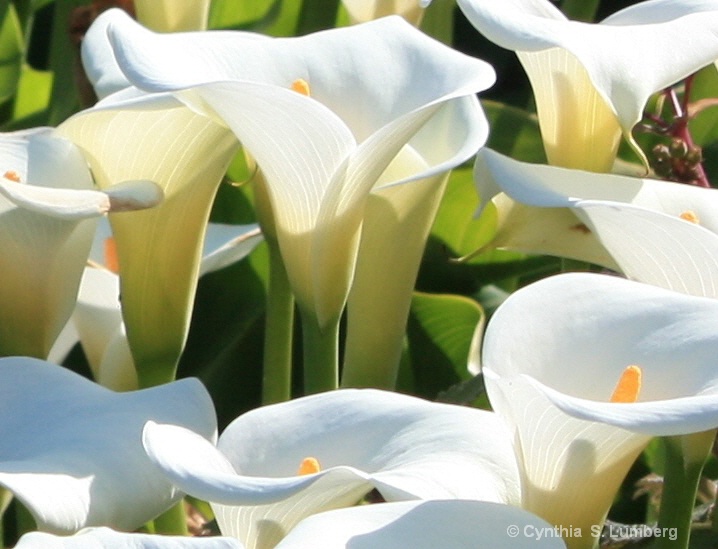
x: 224, y: 346
x: 317, y: 15
x: 33, y: 92
x: 438, y: 21
x: 440, y: 331
x: 580, y: 10
x: 272, y: 17
x: 455, y: 225
x: 63, y: 55
x: 514, y: 132
x: 11, y: 52
x: 704, y: 127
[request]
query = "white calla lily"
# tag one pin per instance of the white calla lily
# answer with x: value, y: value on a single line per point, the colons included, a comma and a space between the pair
x: 402, y: 446
x: 592, y: 81
x: 361, y: 11
x: 97, y: 319
x: 605, y: 219
x: 559, y: 363
x: 47, y: 218
x: 105, y: 538
x: 157, y: 138
x: 173, y: 15
x: 449, y: 524
x: 83, y: 464
x: 373, y: 87
x: 654, y: 247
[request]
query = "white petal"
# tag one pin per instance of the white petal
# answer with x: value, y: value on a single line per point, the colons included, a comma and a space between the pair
x: 628, y: 57
x: 367, y: 74
x: 227, y: 244
x: 554, y: 187
x: 449, y: 524
x: 98, y: 313
x: 104, y: 538
x: 405, y: 447
x: 656, y: 248
x: 669, y: 335
x: 98, y: 59
x: 173, y: 16
x: 83, y: 464
x: 592, y: 327
x: 75, y: 204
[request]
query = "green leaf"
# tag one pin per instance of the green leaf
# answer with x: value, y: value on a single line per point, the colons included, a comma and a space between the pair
x: 272, y: 17
x: 33, y: 92
x: 580, y: 10
x: 704, y: 127
x: 11, y: 52
x: 438, y: 21
x: 317, y: 15
x: 225, y: 342
x: 63, y: 55
x: 455, y: 224
x: 514, y: 132
x: 440, y: 331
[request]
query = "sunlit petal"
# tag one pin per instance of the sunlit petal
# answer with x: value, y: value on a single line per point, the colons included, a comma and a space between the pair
x: 626, y: 58
x: 449, y: 524
x: 404, y: 447
x: 104, y: 538
x: 72, y: 452
x: 560, y: 360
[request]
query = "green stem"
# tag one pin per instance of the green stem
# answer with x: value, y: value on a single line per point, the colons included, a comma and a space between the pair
x: 685, y: 457
x: 279, y: 328
x: 321, y: 354
x: 172, y: 522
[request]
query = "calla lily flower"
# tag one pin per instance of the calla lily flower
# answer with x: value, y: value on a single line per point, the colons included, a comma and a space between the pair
x: 320, y: 155
x: 97, y: 320
x: 357, y: 440
x: 559, y: 362
x: 449, y: 524
x: 361, y: 11
x: 604, y: 219
x: 158, y: 251
x: 82, y: 464
x: 173, y: 15
x: 48, y: 211
x: 104, y: 538
x: 592, y: 81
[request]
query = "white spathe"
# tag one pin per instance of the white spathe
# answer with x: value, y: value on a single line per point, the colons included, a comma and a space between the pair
x: 48, y: 212
x: 173, y: 15
x: 72, y: 451
x: 105, y: 538
x: 361, y: 11
x: 657, y: 232
x: 156, y: 137
x: 558, y: 347
x: 449, y: 524
x: 593, y: 80
x: 404, y: 447
x: 374, y: 87
x: 97, y: 319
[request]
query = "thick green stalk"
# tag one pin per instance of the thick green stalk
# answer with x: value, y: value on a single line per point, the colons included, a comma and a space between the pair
x: 321, y: 354
x: 279, y: 328
x: 685, y: 457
